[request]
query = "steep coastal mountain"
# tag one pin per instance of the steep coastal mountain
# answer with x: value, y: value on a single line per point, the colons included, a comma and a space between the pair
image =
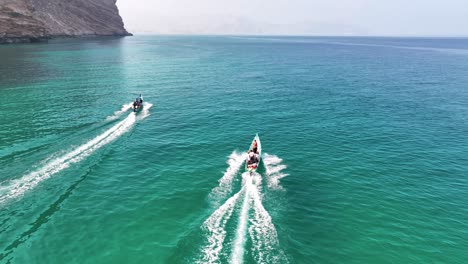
x: 35, y: 20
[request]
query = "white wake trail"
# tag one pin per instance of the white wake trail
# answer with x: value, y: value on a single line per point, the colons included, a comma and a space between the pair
x: 273, y: 170
x: 262, y: 232
x: 253, y: 221
x: 215, y: 225
x: 235, y: 162
x: 145, y: 111
x: 237, y: 256
x: 118, y: 113
x: 19, y: 186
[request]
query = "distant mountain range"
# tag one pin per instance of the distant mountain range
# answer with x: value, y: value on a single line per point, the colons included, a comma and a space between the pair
x: 231, y: 25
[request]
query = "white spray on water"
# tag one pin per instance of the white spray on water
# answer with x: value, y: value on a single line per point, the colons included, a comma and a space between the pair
x: 235, y: 162
x: 18, y: 187
x: 273, y: 170
x: 215, y: 225
x: 253, y: 219
x: 237, y: 256
x: 263, y: 233
x: 118, y: 113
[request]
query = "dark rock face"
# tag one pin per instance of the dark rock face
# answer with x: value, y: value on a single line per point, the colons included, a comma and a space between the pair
x: 17, y: 23
x: 35, y: 20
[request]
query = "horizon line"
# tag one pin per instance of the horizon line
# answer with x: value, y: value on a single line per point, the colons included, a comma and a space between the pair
x: 293, y: 35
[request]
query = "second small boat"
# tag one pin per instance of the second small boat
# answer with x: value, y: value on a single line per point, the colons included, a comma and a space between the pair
x: 138, y: 104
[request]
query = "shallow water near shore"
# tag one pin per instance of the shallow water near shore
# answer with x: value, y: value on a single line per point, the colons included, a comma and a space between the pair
x: 364, y: 143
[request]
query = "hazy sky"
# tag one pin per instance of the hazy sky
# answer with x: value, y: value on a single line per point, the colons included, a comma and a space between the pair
x: 297, y: 17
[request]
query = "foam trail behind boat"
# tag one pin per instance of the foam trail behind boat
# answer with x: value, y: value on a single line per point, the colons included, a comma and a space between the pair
x: 145, y: 111
x: 273, y: 170
x: 122, y: 110
x: 262, y: 231
x: 237, y: 256
x: 253, y: 221
x: 215, y: 227
x: 27, y: 182
x: 216, y: 223
x: 224, y: 188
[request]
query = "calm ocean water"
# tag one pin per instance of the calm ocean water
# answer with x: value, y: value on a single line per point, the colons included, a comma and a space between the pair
x: 365, y: 150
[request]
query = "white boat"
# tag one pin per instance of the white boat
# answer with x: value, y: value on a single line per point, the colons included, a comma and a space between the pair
x: 254, y: 155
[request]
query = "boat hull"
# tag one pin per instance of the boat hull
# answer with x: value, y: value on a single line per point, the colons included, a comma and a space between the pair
x: 249, y: 165
x: 137, y: 108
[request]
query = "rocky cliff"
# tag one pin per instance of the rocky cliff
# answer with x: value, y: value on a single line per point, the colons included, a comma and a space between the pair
x: 35, y: 20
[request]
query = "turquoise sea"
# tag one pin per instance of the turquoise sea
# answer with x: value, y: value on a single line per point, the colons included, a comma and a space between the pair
x: 365, y: 150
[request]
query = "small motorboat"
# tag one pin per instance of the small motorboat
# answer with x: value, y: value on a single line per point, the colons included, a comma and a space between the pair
x: 137, y: 104
x: 254, y: 155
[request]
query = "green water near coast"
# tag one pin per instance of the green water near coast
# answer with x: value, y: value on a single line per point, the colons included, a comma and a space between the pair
x: 364, y: 143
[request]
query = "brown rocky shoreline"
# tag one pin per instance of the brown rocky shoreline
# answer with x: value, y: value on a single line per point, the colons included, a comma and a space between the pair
x: 29, y: 21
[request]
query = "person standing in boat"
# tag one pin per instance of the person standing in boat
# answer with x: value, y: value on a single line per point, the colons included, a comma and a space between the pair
x: 255, y: 146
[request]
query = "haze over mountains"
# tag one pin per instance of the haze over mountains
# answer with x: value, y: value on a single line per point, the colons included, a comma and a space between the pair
x: 34, y: 20
x: 298, y: 17
x: 233, y: 25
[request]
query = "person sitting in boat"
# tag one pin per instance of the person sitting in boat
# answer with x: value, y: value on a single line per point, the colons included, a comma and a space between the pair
x: 135, y: 103
x: 255, y: 146
x: 252, y: 158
